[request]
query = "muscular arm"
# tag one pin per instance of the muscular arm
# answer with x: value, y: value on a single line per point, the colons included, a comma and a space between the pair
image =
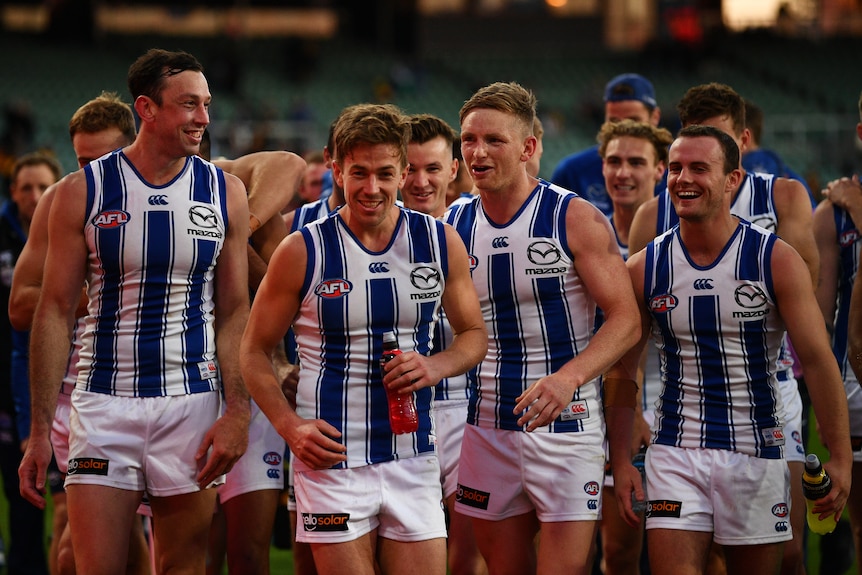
x: 798, y: 309
x: 620, y: 419
x: 27, y: 280
x: 271, y: 178
x: 52, y: 326
x: 229, y: 436
x: 275, y: 306
x: 795, y: 223
x: 598, y: 263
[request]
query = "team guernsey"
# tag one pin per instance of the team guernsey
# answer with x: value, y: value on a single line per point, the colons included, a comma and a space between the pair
x: 528, y: 259
x: 152, y: 253
x: 848, y: 237
x: 754, y: 202
x: 349, y: 298
x: 719, y: 334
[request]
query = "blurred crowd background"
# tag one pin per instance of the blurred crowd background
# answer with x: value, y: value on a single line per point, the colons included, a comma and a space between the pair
x: 281, y: 70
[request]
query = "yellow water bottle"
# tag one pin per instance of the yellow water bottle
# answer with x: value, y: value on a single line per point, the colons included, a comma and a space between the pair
x: 816, y: 484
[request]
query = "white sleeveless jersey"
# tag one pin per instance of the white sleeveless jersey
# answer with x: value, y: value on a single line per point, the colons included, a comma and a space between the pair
x: 538, y: 311
x: 350, y: 297
x: 719, y: 334
x: 152, y: 254
x: 755, y: 203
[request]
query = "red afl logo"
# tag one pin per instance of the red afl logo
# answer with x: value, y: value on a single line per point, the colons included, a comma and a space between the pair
x: 848, y: 238
x: 331, y: 289
x: 111, y: 219
x: 474, y: 262
x: 272, y: 458
x: 663, y: 303
x: 591, y: 488
x: 780, y: 510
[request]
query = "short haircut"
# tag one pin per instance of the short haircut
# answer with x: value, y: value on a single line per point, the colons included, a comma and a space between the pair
x: 147, y: 74
x: 102, y: 113
x: 728, y: 144
x: 754, y: 120
x: 710, y: 100
x: 371, y: 124
x: 508, y: 97
x: 36, y: 159
x: 425, y: 127
x: 660, y: 138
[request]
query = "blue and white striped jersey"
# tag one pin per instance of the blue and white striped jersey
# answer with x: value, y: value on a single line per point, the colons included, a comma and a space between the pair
x: 847, y: 237
x: 719, y: 335
x: 152, y: 254
x: 755, y: 203
x: 350, y: 297
x: 538, y: 312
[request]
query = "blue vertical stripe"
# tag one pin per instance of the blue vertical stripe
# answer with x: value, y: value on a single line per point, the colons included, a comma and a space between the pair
x: 511, y: 367
x: 158, y: 250
x: 715, y: 397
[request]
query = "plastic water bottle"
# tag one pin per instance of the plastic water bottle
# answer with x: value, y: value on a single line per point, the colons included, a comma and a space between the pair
x: 638, y: 461
x: 402, y: 409
x: 816, y: 484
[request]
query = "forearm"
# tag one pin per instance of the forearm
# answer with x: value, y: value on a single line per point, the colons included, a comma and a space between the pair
x: 22, y: 305
x: 228, y: 336
x: 50, y: 341
x: 265, y: 389
x: 468, y: 348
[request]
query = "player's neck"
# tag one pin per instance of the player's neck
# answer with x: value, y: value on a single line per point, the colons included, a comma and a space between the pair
x: 502, y: 204
x: 705, y: 239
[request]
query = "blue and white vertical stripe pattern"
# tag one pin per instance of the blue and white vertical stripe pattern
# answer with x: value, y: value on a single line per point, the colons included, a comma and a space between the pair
x: 755, y: 203
x: 847, y: 237
x: 719, y: 334
x: 538, y: 312
x: 152, y: 253
x: 350, y: 297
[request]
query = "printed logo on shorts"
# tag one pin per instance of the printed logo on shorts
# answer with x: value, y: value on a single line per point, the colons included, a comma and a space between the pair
x: 591, y: 488
x: 472, y: 497
x: 780, y: 510
x: 88, y: 466
x: 782, y: 526
x: 325, y: 521
x: 272, y: 458
x: 575, y: 410
x: 663, y: 508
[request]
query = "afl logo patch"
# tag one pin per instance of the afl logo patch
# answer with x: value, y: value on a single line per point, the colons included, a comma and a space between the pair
x: 663, y: 303
x: 111, y: 219
x: 331, y: 289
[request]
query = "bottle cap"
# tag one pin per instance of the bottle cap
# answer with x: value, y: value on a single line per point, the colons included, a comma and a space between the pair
x: 389, y: 337
x: 812, y: 463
